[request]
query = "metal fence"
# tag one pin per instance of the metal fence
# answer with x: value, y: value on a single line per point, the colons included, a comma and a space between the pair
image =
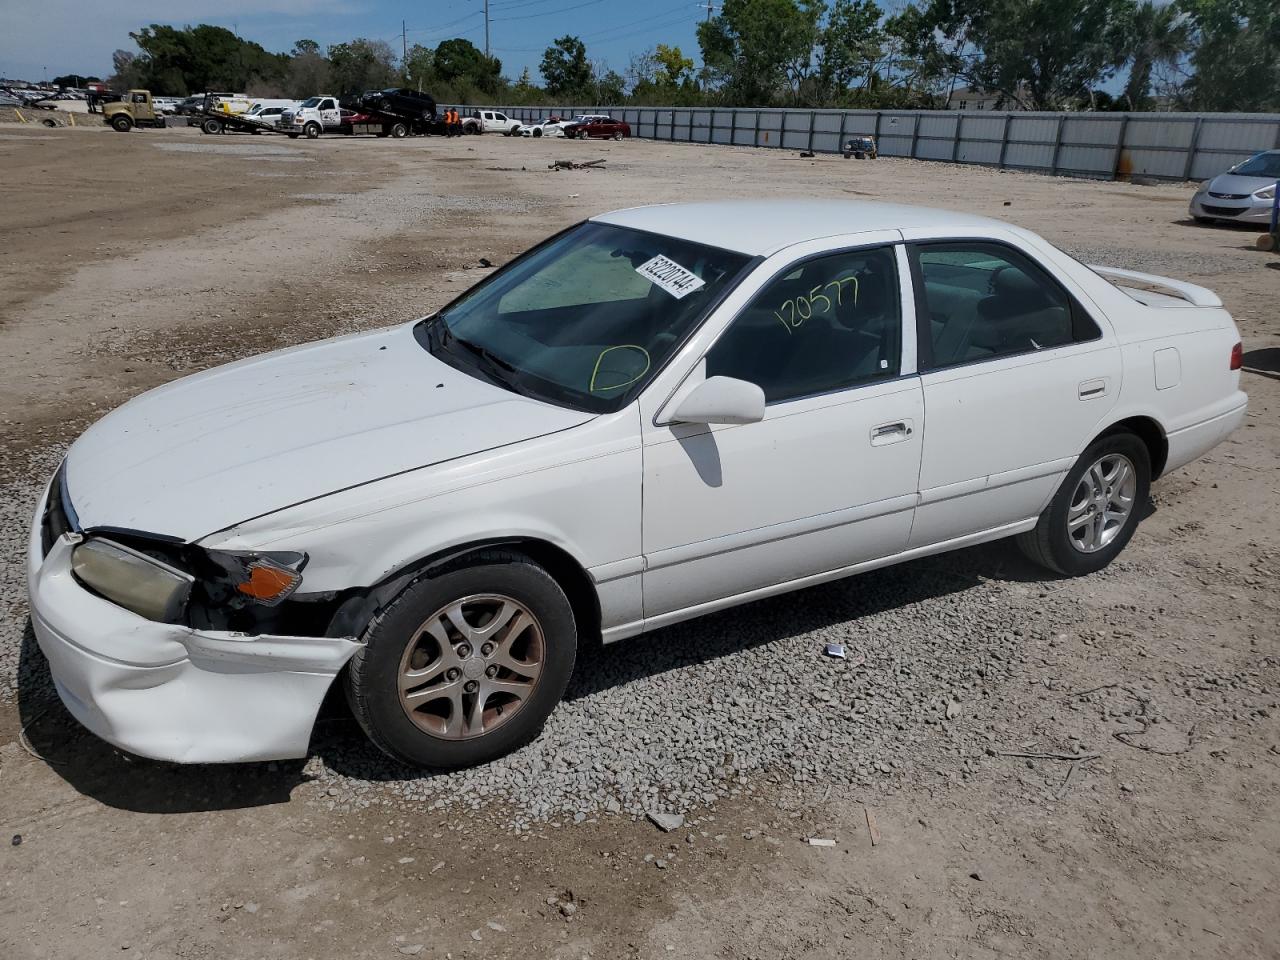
x: 1171, y: 146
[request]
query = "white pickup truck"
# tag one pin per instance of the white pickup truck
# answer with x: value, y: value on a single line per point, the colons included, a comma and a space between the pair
x: 312, y: 117
x: 491, y: 121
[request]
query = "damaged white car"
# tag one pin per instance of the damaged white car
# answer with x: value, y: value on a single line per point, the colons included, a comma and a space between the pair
x: 657, y: 413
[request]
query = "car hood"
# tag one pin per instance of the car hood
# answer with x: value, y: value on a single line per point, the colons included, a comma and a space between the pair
x: 1234, y: 183
x: 237, y: 442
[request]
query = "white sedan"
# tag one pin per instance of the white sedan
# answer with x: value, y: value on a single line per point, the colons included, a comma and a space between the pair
x: 658, y: 413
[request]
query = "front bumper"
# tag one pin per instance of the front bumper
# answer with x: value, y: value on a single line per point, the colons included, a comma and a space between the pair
x: 170, y: 692
x: 1248, y: 210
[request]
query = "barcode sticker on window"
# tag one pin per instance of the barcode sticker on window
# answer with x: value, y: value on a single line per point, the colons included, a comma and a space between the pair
x: 670, y: 276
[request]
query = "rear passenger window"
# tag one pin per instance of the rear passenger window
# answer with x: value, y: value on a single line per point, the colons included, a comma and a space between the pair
x: 984, y: 301
x: 828, y: 324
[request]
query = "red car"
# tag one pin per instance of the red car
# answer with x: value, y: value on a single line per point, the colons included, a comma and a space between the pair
x: 598, y: 127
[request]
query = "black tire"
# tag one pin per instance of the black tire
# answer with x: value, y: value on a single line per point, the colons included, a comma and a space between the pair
x: 121, y: 124
x: 312, y: 130
x: 617, y: 135
x: 582, y: 134
x: 211, y: 126
x: 1050, y: 545
x: 537, y: 133
x: 398, y: 131
x: 372, y: 676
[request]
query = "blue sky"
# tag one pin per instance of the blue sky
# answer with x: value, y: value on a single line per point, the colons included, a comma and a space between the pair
x: 79, y: 36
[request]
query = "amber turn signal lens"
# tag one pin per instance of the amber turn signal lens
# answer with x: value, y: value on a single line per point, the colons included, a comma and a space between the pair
x: 268, y: 582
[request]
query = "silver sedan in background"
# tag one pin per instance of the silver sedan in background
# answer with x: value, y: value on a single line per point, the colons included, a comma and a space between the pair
x: 1244, y: 193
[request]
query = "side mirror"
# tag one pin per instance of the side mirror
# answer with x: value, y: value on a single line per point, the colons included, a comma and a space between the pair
x: 722, y: 400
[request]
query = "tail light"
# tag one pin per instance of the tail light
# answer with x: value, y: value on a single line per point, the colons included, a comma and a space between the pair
x: 1237, y: 356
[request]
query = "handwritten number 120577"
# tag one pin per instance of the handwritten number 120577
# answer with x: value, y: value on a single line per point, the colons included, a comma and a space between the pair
x: 794, y: 312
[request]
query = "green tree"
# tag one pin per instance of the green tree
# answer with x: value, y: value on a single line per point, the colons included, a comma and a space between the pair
x: 74, y: 80
x: 1159, y: 35
x: 460, y: 63
x: 303, y: 47
x: 309, y: 72
x: 752, y: 48
x: 611, y: 87
x: 418, y: 67
x: 851, y: 42
x: 564, y: 68
x: 1236, y: 54
x: 1042, y: 53
x: 200, y: 58
x: 361, y: 65
x: 673, y: 67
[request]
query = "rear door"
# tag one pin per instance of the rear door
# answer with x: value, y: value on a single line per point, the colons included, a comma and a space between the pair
x: 1017, y: 377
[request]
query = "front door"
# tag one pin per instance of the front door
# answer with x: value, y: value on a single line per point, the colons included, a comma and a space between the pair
x: 827, y: 479
x: 1017, y: 377
x: 330, y: 115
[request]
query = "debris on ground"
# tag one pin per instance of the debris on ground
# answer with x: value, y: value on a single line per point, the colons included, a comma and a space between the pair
x: 836, y: 650
x: 666, y: 822
x: 821, y: 842
x: 873, y: 829
x: 575, y: 165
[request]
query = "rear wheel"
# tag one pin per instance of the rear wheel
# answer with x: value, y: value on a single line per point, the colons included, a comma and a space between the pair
x: 466, y: 664
x: 617, y: 135
x: 311, y: 130
x: 398, y: 130
x: 1095, y: 511
x: 122, y: 124
x: 582, y: 134
x: 211, y: 126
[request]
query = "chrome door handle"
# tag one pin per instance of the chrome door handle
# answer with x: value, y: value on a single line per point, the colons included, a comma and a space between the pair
x: 890, y: 432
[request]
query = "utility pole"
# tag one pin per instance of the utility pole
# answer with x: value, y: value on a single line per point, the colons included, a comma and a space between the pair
x: 709, y: 4
x: 486, y: 28
x: 404, y: 45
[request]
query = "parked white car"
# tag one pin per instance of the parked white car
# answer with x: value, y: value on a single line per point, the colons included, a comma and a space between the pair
x: 658, y: 413
x: 550, y: 126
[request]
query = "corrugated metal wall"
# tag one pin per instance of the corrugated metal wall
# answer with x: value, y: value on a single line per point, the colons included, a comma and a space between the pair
x: 1176, y: 146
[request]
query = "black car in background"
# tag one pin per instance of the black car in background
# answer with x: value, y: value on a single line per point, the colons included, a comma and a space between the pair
x: 400, y: 102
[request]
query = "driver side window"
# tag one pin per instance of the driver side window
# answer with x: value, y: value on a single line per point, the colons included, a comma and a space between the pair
x: 827, y: 324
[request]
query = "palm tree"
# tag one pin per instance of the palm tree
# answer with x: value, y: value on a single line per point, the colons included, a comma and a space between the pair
x: 1161, y: 35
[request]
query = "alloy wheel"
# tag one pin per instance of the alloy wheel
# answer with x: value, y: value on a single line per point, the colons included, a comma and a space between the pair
x: 471, y: 666
x: 1102, y: 503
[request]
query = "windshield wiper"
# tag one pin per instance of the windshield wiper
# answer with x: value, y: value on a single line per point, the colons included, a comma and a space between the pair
x: 495, y: 367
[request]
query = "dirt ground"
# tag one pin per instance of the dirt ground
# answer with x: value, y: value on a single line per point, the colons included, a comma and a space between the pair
x: 129, y: 260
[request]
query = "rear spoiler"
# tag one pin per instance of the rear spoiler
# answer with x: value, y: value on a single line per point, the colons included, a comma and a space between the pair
x: 1196, y: 296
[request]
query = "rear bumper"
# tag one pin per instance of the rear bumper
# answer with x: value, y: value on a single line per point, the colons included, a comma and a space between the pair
x: 170, y: 692
x: 1245, y: 211
x: 1191, y: 443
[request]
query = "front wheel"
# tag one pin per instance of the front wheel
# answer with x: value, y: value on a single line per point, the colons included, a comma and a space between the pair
x: 466, y: 664
x: 311, y: 130
x: 582, y: 134
x: 537, y: 133
x: 1095, y: 511
x: 122, y: 124
x: 617, y: 135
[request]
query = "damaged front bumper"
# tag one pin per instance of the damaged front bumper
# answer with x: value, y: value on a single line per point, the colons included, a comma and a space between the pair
x: 170, y: 692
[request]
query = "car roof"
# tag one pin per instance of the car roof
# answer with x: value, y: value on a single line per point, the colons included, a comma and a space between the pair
x: 759, y: 227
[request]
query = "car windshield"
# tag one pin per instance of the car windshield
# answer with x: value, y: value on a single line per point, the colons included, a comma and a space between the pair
x: 1263, y: 165
x: 311, y: 102
x: 586, y: 319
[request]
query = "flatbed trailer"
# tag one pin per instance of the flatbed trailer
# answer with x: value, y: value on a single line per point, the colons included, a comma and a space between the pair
x: 215, y: 121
